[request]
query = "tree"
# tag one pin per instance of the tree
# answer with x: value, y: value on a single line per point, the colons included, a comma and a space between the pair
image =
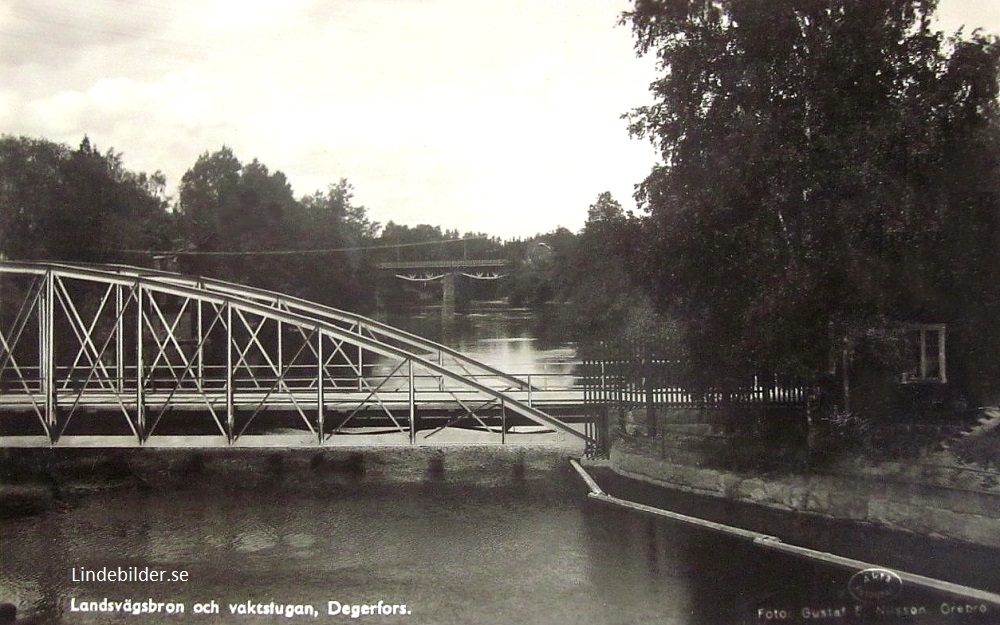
x: 244, y: 224
x: 539, y: 266
x: 600, y: 284
x: 84, y: 205
x: 605, y: 209
x: 590, y: 276
x: 232, y: 212
x: 332, y: 221
x: 335, y: 210
x: 804, y: 192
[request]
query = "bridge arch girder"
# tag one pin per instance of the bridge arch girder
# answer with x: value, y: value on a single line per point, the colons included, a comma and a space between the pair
x: 437, y: 352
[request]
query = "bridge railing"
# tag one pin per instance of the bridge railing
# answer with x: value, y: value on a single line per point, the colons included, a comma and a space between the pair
x: 339, y: 376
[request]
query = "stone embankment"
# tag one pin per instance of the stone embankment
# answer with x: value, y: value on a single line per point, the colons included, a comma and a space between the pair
x: 935, y: 496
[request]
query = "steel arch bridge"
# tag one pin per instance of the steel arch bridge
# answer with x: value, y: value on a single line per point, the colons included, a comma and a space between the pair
x: 121, y: 355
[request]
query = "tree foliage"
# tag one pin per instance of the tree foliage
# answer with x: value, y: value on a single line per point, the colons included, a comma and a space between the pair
x: 57, y: 203
x: 591, y: 277
x: 332, y: 220
x: 243, y: 223
x: 540, y: 268
x: 233, y: 212
x: 827, y: 166
x: 595, y: 278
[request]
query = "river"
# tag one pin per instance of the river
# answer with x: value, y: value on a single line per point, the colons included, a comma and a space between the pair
x: 503, y: 548
x: 515, y: 341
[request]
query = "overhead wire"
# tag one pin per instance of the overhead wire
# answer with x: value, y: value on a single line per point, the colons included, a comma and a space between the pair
x: 359, y: 248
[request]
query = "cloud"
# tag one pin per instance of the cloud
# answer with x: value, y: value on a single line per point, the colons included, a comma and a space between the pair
x: 969, y: 15
x: 53, y: 33
x: 467, y: 115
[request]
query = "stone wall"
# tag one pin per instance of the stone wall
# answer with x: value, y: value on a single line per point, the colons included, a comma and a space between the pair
x: 895, y: 497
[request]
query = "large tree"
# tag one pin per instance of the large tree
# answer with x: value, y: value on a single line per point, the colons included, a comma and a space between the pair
x: 812, y: 184
x: 234, y: 214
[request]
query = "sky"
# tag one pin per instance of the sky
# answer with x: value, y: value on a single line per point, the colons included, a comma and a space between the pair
x: 481, y: 116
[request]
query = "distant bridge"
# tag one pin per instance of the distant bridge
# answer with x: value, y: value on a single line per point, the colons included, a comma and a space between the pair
x: 447, y: 271
x: 112, y: 355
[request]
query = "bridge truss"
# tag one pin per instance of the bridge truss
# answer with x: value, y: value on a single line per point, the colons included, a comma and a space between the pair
x: 127, y: 356
x: 431, y: 270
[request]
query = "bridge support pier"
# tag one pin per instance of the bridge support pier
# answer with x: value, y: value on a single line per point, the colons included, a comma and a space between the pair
x: 448, y: 287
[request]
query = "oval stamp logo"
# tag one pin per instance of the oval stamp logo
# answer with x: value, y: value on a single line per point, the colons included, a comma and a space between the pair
x: 876, y: 584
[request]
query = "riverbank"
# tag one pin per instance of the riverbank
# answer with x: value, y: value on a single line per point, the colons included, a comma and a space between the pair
x: 934, y: 499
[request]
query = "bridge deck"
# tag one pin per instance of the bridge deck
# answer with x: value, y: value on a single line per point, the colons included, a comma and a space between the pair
x: 351, y: 438
x: 458, y: 263
x: 188, y: 400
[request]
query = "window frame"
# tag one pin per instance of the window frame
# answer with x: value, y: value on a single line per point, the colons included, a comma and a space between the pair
x: 922, y: 377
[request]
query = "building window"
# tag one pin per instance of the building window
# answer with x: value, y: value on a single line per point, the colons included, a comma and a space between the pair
x: 926, y: 354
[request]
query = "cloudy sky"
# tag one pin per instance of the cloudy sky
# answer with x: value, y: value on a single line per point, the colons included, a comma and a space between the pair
x: 499, y: 117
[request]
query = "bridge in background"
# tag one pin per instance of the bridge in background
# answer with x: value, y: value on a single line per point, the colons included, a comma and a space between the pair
x: 447, y: 271
x: 119, y: 355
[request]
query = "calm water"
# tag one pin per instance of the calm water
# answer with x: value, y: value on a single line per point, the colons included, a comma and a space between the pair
x: 509, y: 551
x: 514, y: 341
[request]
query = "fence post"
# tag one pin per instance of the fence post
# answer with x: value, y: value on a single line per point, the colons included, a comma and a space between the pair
x: 413, y: 403
x: 46, y: 352
x: 647, y: 377
x: 663, y: 434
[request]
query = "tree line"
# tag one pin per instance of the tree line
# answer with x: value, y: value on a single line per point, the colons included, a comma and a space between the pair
x: 242, y: 222
x: 231, y: 220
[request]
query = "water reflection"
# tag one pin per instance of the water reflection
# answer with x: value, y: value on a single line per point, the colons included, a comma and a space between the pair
x: 510, y: 340
x: 522, y: 550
